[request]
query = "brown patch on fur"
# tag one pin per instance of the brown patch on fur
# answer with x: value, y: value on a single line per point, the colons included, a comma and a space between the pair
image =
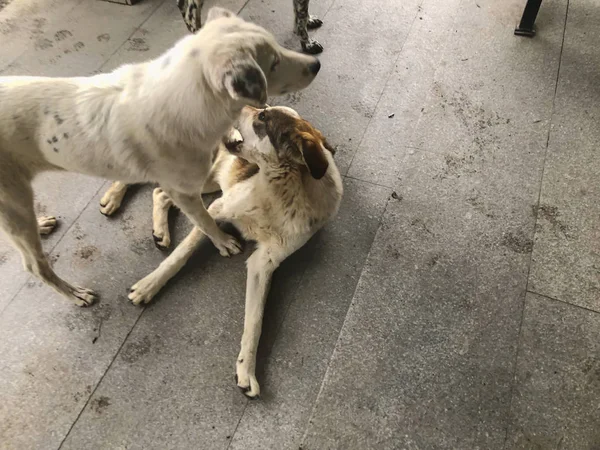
x: 242, y: 170
x: 298, y: 140
x: 312, y: 152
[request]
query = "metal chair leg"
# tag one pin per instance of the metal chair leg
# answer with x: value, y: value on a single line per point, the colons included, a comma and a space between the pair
x: 526, y: 26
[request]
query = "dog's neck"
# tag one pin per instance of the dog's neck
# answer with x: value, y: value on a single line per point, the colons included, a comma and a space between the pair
x: 190, y: 108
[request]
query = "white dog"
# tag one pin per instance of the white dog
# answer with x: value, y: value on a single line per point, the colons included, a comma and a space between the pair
x: 157, y: 121
x: 280, y: 185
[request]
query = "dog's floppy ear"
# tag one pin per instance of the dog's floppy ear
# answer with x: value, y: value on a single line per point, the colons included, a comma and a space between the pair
x: 217, y: 12
x: 245, y: 81
x: 313, y: 155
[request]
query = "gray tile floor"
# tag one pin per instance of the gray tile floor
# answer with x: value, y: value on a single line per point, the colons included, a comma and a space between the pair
x: 454, y: 303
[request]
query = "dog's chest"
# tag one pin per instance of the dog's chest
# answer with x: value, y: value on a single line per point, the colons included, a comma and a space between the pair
x: 185, y: 172
x: 262, y: 216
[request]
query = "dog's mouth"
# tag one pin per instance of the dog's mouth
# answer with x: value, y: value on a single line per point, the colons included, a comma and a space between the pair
x: 233, y: 146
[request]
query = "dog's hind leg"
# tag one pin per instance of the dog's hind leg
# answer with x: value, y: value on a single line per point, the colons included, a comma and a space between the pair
x: 111, y: 200
x: 17, y: 219
x: 304, y: 22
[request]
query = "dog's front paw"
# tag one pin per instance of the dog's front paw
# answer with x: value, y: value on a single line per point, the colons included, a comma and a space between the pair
x: 313, y: 22
x: 312, y: 47
x: 144, y: 290
x: 246, y: 380
x: 111, y: 201
x: 228, y: 245
x: 46, y: 224
x: 162, y: 240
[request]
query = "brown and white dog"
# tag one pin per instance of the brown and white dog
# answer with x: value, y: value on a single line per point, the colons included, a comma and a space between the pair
x: 191, y: 9
x: 280, y: 186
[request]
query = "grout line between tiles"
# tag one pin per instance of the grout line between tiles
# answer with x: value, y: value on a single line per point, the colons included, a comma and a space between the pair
x: 129, y: 37
x: 367, y: 182
x: 100, y: 380
x: 387, y: 80
x: 558, y: 300
x: 326, y: 375
x: 519, y: 335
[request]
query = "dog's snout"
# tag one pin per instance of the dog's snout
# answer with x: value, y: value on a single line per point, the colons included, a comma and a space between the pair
x: 315, y: 67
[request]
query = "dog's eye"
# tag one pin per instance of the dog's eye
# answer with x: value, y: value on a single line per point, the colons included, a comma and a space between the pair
x: 261, y: 116
x: 275, y: 64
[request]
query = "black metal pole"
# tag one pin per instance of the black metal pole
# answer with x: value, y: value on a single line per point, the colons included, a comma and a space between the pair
x: 525, y: 27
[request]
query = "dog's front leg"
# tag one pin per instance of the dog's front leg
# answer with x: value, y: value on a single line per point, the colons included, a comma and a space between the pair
x: 191, y: 11
x: 144, y: 290
x: 260, y: 270
x: 193, y: 207
x: 112, y: 199
x: 261, y: 265
x: 304, y: 22
x: 161, y: 204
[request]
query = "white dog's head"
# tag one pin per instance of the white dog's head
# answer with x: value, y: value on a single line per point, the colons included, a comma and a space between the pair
x: 279, y: 137
x: 244, y: 59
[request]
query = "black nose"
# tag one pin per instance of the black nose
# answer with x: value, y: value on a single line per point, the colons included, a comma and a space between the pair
x: 315, y: 67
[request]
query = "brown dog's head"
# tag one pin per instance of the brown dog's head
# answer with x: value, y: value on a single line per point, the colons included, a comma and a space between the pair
x: 279, y: 136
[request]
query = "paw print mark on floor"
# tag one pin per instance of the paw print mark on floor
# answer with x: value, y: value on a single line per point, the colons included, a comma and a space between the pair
x: 62, y: 35
x: 138, y: 45
x: 43, y: 44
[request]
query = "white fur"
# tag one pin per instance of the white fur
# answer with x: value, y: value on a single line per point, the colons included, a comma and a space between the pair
x: 157, y: 121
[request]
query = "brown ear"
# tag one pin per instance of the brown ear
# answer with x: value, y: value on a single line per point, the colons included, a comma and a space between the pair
x: 326, y: 144
x: 313, y: 155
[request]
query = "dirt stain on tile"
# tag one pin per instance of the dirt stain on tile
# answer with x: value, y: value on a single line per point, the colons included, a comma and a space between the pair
x: 43, y: 44
x: 99, y: 404
x: 433, y: 260
x: 480, y: 205
x: 479, y: 124
x: 363, y: 109
x: 138, y: 45
x: 87, y: 252
x: 551, y: 214
x: 132, y: 351
x: 518, y: 243
x: 141, y: 246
